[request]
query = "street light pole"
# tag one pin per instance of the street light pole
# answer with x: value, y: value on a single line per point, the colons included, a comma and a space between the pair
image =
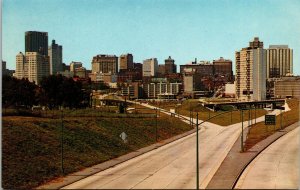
x: 242, y: 140
x: 280, y: 119
x: 156, y: 124
x: 62, y: 143
x: 190, y: 114
x: 231, y: 117
x: 255, y: 113
x: 197, y: 153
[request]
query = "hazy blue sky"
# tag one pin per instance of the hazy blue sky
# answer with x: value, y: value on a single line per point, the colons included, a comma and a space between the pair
x: 183, y: 29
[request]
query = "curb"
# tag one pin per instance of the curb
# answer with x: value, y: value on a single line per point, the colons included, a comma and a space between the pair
x: 282, y: 133
x: 226, y: 179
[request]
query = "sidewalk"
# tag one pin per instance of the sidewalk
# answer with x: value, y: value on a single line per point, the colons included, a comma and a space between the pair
x: 235, y: 162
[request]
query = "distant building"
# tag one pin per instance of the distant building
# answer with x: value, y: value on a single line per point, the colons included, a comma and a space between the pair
x: 126, y: 62
x: 229, y: 90
x: 161, y: 70
x: 21, y: 66
x: 287, y: 87
x: 162, y: 90
x: 192, y: 82
x: 132, y: 91
x: 251, y: 72
x: 170, y: 67
x: 80, y: 72
x: 103, y: 77
x: 6, y: 71
x: 55, y: 58
x: 36, y: 42
x: 204, y: 68
x: 65, y: 67
x: 150, y: 67
x: 37, y: 65
x: 74, y: 65
x: 66, y: 73
x: 129, y: 75
x: 223, y: 67
x: 3, y: 66
x: 279, y: 61
x: 105, y: 64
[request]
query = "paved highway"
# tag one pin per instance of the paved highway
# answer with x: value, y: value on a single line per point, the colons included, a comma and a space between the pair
x: 277, y: 167
x: 170, y: 166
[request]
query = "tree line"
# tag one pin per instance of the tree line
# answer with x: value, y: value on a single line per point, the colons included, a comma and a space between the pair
x: 54, y: 91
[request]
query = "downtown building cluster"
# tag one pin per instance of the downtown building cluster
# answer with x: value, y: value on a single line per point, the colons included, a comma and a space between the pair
x: 258, y: 71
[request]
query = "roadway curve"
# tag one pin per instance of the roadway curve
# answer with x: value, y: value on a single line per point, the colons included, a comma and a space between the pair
x: 277, y: 167
x: 170, y: 166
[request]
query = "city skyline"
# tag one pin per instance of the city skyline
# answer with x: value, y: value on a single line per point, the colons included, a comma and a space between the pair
x: 184, y: 30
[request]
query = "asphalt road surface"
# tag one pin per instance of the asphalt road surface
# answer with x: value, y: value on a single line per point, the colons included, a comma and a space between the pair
x: 277, y: 167
x: 170, y: 166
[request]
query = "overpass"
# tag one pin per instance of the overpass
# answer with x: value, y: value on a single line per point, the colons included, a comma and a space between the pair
x: 256, y: 104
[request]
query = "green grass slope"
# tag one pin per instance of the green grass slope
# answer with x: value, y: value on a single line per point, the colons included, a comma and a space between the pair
x: 31, y: 146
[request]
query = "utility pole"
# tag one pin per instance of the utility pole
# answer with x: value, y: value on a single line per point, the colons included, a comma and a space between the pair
x: 197, y: 153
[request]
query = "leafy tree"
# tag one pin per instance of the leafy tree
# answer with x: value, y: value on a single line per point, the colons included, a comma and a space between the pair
x: 18, y: 93
x: 61, y: 91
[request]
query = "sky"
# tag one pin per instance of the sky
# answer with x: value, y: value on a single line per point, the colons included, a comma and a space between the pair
x: 182, y: 29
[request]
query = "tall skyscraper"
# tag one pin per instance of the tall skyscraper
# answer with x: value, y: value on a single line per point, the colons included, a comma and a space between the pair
x: 150, y: 67
x: 251, y: 72
x: 170, y: 66
x: 105, y: 64
x: 279, y: 61
x: 55, y: 57
x: 36, y: 42
x: 35, y: 64
x: 126, y: 62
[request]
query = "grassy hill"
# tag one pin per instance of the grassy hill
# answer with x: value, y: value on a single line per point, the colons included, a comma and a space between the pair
x: 31, y: 146
x: 260, y: 131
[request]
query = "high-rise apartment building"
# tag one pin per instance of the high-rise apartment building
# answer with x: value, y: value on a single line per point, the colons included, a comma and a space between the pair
x: 37, y: 65
x: 126, y: 62
x: 105, y: 64
x: 55, y: 58
x: 251, y: 72
x: 36, y: 42
x: 21, y: 66
x: 170, y: 66
x: 150, y: 67
x: 279, y: 61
